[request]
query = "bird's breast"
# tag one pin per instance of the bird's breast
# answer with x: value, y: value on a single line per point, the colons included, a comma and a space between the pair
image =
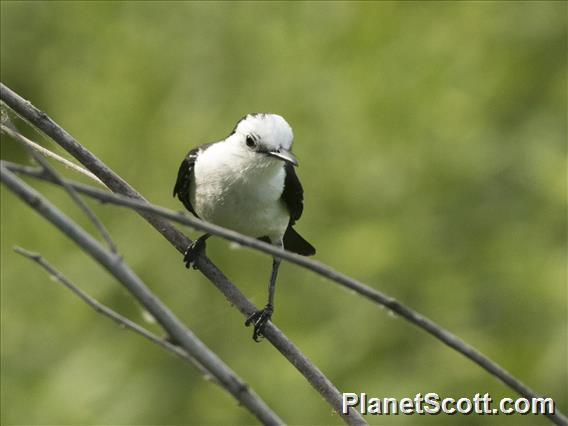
x: 245, y: 199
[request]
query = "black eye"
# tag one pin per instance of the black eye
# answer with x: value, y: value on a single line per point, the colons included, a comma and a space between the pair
x: 250, y: 142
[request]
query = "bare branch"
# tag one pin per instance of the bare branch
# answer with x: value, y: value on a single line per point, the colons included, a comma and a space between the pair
x: 114, y: 182
x: 106, y: 311
x: 175, y: 328
x: 319, y: 268
x: 50, y: 171
x: 47, y: 153
x: 376, y: 296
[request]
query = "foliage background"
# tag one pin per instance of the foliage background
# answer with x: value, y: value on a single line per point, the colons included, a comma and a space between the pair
x: 431, y: 138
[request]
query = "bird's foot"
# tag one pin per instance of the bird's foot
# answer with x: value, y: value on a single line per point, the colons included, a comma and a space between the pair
x: 259, y: 320
x: 193, y: 251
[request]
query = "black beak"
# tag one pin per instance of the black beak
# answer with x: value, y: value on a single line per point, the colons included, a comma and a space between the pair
x: 284, y: 155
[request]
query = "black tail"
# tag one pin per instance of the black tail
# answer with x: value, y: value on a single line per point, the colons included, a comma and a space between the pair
x: 294, y: 242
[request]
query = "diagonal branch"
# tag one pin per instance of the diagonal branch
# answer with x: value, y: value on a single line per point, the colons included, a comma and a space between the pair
x: 47, y: 153
x: 50, y: 171
x: 122, y: 272
x: 374, y: 295
x: 118, y: 185
x: 106, y: 311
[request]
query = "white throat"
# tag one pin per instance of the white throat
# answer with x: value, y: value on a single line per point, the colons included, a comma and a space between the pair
x: 240, y: 189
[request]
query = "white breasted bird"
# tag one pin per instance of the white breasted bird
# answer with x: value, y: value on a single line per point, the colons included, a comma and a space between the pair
x: 247, y: 183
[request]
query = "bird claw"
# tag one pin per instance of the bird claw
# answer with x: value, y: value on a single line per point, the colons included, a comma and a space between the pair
x: 259, y: 320
x: 192, y: 252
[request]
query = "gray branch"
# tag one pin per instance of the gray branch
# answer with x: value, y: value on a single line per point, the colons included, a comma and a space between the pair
x: 6, y: 122
x: 319, y: 268
x: 392, y: 304
x: 122, y: 272
x: 69, y: 188
x: 115, y: 183
x: 106, y: 311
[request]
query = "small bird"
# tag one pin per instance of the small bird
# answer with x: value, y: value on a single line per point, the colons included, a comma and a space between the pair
x: 247, y: 183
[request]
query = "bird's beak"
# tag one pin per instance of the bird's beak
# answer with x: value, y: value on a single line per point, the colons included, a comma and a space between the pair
x: 284, y: 155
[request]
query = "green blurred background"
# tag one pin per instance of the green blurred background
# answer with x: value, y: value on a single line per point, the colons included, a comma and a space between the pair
x: 431, y: 138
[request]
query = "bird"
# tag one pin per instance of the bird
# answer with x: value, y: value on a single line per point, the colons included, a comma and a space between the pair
x: 247, y: 183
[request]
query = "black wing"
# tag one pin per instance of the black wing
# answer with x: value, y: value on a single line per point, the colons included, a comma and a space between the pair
x: 293, y: 194
x: 185, y: 177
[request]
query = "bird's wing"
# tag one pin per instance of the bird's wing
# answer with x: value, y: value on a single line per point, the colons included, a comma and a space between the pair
x: 293, y: 194
x: 293, y: 197
x: 185, y: 177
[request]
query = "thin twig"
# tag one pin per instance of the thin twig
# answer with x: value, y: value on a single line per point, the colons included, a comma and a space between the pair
x: 50, y: 171
x: 106, y: 311
x: 319, y: 268
x: 47, y: 153
x: 51, y: 129
x: 122, y: 272
x: 115, y: 183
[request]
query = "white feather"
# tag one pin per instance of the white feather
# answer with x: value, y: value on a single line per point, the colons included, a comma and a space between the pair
x: 240, y: 188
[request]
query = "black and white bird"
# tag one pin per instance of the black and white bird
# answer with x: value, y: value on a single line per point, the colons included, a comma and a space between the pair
x: 247, y: 183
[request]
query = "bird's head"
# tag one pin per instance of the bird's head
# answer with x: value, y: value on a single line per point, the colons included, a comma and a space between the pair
x: 264, y: 136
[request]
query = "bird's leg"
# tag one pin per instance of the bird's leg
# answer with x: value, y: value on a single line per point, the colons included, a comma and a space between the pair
x: 260, y: 318
x: 194, y: 249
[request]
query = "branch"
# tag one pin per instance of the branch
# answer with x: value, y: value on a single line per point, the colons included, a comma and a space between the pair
x: 122, y: 272
x: 47, y: 153
x: 116, y: 184
x: 49, y: 171
x: 374, y: 295
x: 106, y: 311
x: 380, y: 298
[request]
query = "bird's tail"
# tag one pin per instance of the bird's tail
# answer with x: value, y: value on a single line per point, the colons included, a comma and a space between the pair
x: 294, y: 242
